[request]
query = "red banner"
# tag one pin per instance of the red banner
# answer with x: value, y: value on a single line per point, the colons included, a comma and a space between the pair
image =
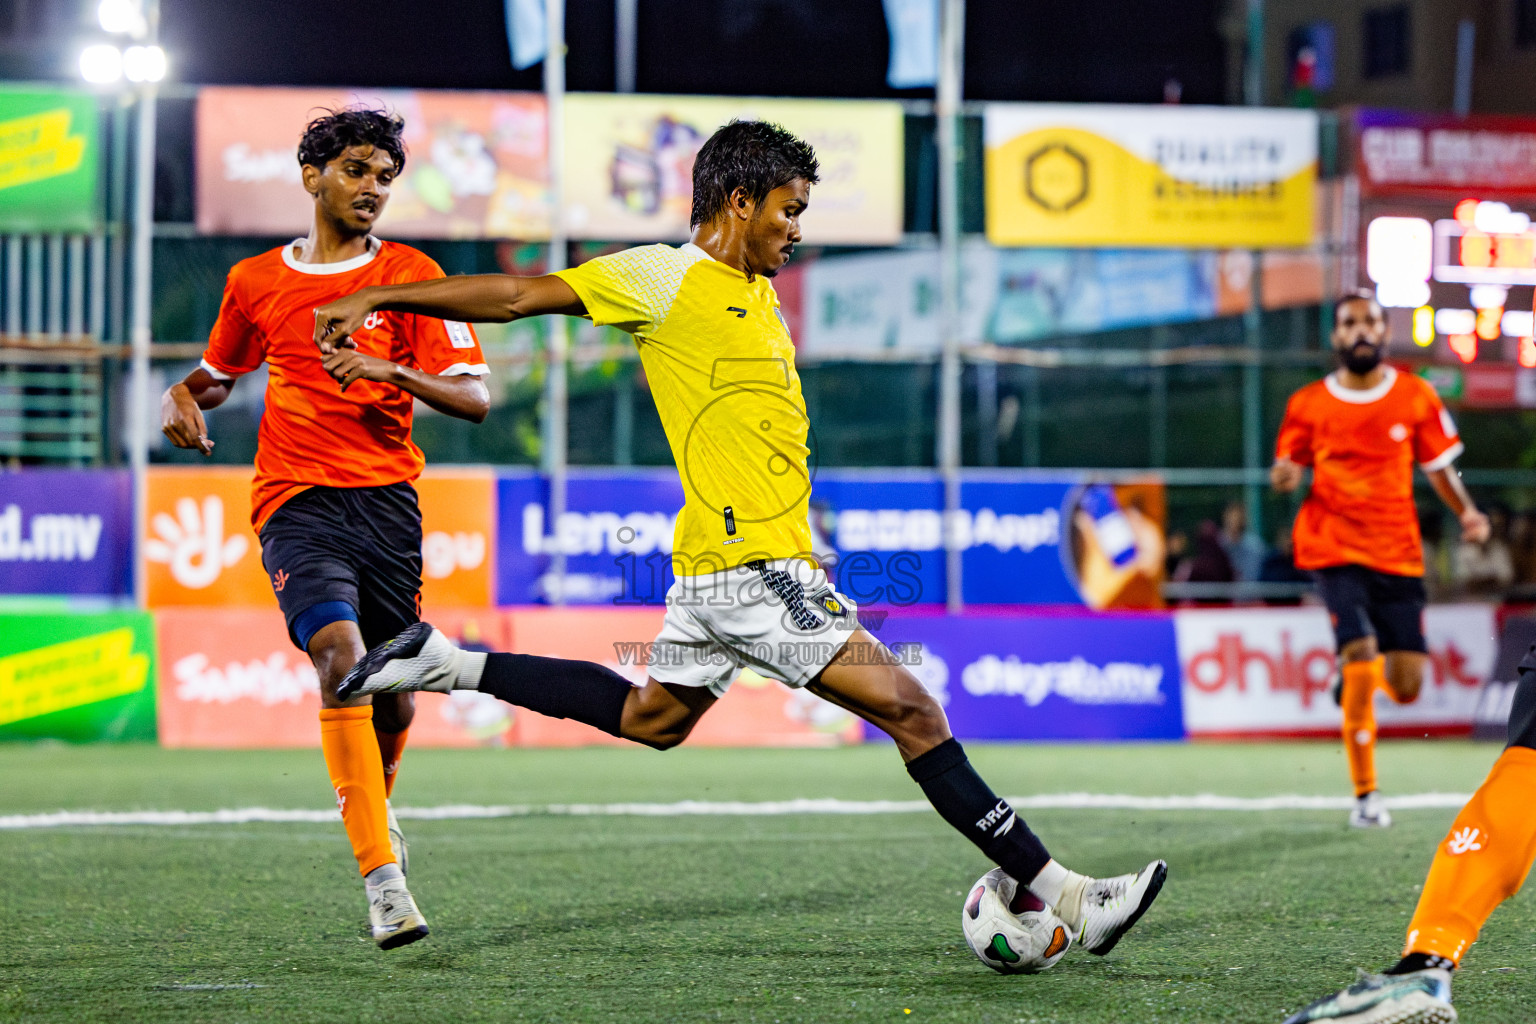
x: 1400, y: 153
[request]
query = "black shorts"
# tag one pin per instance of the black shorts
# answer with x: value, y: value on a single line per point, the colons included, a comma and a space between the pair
x: 1363, y: 602
x: 357, y: 545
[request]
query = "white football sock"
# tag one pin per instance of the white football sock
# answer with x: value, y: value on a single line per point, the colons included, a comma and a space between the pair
x: 470, y: 665
x: 381, y: 874
x: 1062, y: 889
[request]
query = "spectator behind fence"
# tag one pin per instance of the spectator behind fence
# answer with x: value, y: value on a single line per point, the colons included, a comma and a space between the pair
x: 1522, y: 554
x: 1244, y: 549
x: 1280, y: 567
x: 1175, y: 553
x: 1487, y: 569
x: 1209, y: 563
x: 1438, y: 570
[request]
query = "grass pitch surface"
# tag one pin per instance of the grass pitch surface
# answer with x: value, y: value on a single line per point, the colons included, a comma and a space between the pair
x: 730, y: 918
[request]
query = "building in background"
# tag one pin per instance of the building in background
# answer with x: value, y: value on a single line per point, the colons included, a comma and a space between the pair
x: 1389, y: 53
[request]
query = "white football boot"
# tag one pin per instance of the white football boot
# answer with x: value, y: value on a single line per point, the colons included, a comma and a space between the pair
x: 1370, y: 811
x: 420, y: 658
x: 397, y: 843
x: 1423, y: 997
x: 392, y: 913
x: 1110, y: 906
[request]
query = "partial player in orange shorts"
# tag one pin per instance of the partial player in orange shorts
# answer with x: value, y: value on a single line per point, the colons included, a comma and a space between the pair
x: 1482, y: 861
x: 1361, y: 429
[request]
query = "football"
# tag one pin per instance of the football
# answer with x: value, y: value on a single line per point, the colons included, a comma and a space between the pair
x: 1010, y: 929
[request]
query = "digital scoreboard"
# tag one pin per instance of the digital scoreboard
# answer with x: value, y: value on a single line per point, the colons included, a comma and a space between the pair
x: 1452, y: 276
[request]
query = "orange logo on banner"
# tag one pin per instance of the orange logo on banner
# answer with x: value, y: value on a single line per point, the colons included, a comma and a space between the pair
x: 231, y: 678
x: 458, y: 515
x: 198, y: 546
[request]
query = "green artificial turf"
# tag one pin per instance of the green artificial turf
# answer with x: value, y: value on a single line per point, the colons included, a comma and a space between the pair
x: 730, y: 918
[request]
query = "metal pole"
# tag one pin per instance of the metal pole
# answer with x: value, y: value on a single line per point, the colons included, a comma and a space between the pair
x: 625, y: 34
x: 139, y: 335
x: 1466, y: 40
x: 556, y: 394
x: 1253, y: 396
x: 947, y: 108
x: 1253, y: 69
x: 1253, y: 323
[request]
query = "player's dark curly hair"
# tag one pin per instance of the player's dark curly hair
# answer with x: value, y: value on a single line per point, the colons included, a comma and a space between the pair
x: 327, y: 136
x: 753, y: 155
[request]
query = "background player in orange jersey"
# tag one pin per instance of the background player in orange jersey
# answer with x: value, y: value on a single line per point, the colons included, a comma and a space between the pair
x: 1361, y: 429
x: 332, y: 501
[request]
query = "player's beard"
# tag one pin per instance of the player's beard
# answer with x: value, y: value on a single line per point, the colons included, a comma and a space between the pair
x: 1361, y: 362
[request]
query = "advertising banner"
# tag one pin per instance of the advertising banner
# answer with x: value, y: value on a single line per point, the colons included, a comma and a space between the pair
x: 82, y: 678
x: 1403, y: 153
x: 477, y: 165
x: 200, y: 550
x: 198, y: 546
x: 48, y: 160
x: 616, y: 534
x: 458, y: 525
x: 231, y: 678
x: 1066, y: 677
x: 1036, y: 540
x: 1252, y: 671
x: 1102, y: 175
x: 890, y: 301
x: 1044, y: 292
x: 755, y: 712
x: 66, y: 531
x: 629, y: 163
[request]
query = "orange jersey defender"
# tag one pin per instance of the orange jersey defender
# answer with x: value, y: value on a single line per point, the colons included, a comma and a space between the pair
x: 1362, y: 446
x: 313, y: 434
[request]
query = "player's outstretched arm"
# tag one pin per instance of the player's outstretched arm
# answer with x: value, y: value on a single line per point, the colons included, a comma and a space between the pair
x: 1447, y: 483
x: 480, y: 298
x: 182, y: 405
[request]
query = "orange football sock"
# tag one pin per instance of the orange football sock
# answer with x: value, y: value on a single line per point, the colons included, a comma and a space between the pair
x: 1361, y: 678
x: 391, y: 746
x: 1482, y: 862
x: 357, y: 775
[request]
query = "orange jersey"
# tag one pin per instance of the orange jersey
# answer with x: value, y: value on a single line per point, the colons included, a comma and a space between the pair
x: 1361, y: 446
x: 312, y: 433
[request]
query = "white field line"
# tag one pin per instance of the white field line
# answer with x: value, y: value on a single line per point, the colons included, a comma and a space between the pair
x: 712, y: 808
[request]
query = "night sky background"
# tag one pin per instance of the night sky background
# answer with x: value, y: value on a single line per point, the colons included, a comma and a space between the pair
x: 1085, y: 50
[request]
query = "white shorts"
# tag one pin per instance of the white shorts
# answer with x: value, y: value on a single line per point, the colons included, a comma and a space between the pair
x: 782, y: 619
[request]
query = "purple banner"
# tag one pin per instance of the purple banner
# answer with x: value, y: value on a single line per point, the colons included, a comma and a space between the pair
x: 1046, y: 677
x: 66, y: 532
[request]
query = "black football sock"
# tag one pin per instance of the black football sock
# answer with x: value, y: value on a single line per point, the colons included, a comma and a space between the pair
x: 1421, y: 962
x: 966, y: 802
x: 558, y: 687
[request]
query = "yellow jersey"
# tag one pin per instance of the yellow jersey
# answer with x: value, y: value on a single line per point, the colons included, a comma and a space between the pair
x: 721, y: 368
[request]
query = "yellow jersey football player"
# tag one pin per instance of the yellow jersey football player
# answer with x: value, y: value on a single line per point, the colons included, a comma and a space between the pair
x: 748, y: 592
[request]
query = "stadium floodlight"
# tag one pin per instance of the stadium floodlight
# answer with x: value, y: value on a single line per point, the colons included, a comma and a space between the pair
x: 122, y: 17
x: 144, y: 63
x: 101, y: 64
